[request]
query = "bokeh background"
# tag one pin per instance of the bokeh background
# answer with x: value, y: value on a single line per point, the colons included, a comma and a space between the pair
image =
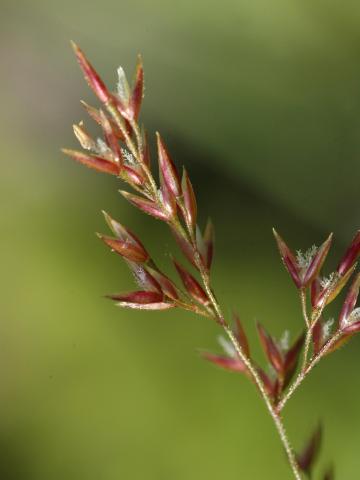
x: 261, y: 100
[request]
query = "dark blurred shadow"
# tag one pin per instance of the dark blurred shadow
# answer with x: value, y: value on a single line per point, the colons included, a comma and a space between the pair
x: 13, y: 465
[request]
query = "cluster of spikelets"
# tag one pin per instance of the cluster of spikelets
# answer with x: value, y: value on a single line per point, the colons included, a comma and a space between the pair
x: 305, y: 271
x: 322, y: 291
x: 124, y: 152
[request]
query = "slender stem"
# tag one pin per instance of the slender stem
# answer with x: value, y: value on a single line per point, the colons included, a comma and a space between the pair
x: 243, y: 357
x: 303, y: 374
x: 306, y: 348
x: 308, y: 324
x: 253, y: 372
x: 314, y: 319
x: 217, y: 313
x: 272, y: 410
x: 303, y: 306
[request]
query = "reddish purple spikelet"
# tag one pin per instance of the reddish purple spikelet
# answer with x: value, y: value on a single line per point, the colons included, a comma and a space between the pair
x: 308, y: 456
x: 228, y: 363
x: 190, y: 207
x: 141, y: 300
x: 111, y: 138
x: 185, y: 246
x: 271, y: 350
x: 241, y: 335
x: 93, y: 79
x: 191, y: 285
x: 146, y: 206
x: 94, y: 113
x: 317, y: 336
x: 168, y: 200
x: 143, y: 277
x: 141, y: 297
x: 317, y: 261
x: 133, y: 175
x: 117, y: 228
x: 209, y: 244
x: 128, y: 102
x: 315, y: 289
x: 302, y: 275
x: 291, y: 359
x: 350, y: 302
x: 138, y: 90
x: 85, y: 140
x: 288, y: 259
x: 351, y: 255
x: 327, y: 294
x: 166, y: 285
x: 126, y: 249
x: 93, y: 161
x: 168, y: 172
x: 124, y: 233
x: 352, y: 328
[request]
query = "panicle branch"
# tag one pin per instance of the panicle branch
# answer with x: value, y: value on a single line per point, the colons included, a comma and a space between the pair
x: 124, y: 151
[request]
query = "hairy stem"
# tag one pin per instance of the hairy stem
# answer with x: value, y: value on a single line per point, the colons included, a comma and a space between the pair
x: 253, y: 372
x: 272, y: 410
x: 303, y: 306
x: 315, y: 317
x: 217, y: 313
x: 308, y: 325
x: 306, y: 348
x: 275, y: 415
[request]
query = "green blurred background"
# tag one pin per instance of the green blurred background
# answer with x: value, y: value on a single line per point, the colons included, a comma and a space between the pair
x: 261, y: 100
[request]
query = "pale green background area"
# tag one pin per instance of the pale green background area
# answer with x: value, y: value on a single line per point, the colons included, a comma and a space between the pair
x: 260, y: 100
